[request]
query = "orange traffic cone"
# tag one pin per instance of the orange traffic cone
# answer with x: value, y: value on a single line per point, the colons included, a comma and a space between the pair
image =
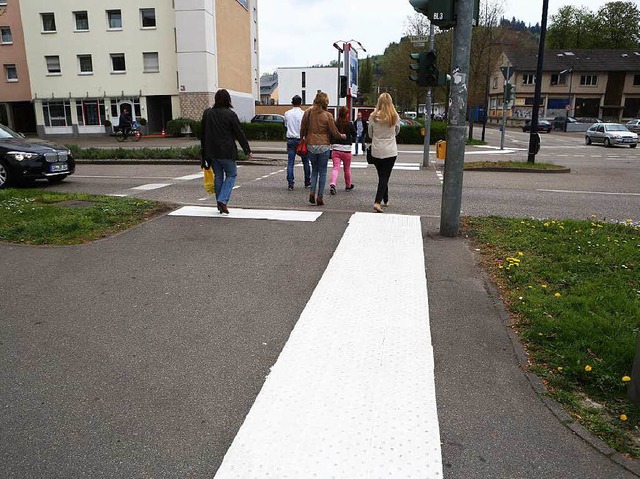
x: 163, y: 133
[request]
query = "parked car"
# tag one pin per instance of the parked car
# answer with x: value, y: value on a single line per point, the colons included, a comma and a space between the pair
x: 23, y: 160
x: 543, y: 125
x: 560, y: 122
x: 634, y: 125
x: 268, y: 119
x: 588, y: 119
x: 610, y: 134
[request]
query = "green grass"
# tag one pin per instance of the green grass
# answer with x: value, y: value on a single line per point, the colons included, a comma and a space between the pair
x: 573, y: 288
x: 478, y: 165
x: 38, y: 217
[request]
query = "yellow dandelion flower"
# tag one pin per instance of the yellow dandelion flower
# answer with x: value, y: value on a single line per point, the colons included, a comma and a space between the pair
x: 587, y: 368
x: 543, y: 286
x: 520, y: 253
x: 560, y: 368
x: 626, y: 379
x: 623, y: 417
x: 557, y: 295
x: 545, y: 224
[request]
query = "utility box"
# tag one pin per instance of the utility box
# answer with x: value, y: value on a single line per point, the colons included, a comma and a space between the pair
x: 441, y: 149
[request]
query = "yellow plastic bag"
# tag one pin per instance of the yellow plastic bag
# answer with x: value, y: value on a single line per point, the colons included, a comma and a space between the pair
x: 209, y: 178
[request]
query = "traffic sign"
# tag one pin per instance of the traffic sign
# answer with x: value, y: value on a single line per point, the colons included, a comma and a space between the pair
x: 506, y: 71
x: 419, y: 38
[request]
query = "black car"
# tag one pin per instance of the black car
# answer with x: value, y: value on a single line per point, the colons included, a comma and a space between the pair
x: 543, y: 125
x: 277, y: 119
x: 23, y: 160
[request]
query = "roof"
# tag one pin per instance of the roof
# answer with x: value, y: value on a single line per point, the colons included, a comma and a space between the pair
x: 268, y: 83
x: 578, y: 59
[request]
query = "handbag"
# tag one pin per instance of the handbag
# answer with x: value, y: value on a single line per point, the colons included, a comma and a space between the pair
x: 209, y: 178
x: 301, y: 149
x: 370, y: 157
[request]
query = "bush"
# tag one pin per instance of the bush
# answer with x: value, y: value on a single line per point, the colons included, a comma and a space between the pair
x: 175, y: 127
x: 264, y: 131
x: 187, y: 153
x: 412, y: 135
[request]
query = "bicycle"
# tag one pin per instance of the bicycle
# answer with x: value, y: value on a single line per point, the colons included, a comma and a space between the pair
x: 132, y: 132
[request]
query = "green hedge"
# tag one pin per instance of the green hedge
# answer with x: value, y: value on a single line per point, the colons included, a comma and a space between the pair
x: 186, y: 153
x: 264, y: 132
x: 175, y: 127
x: 412, y: 135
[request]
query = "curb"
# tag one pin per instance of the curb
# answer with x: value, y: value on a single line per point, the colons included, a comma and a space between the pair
x: 520, y: 170
x: 541, y: 390
x: 268, y: 162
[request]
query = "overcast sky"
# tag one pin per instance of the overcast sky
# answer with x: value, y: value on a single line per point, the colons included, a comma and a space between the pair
x: 295, y: 33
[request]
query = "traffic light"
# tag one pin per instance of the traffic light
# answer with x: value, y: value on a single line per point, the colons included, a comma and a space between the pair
x: 343, y: 86
x: 442, y: 12
x: 428, y: 74
x: 509, y: 92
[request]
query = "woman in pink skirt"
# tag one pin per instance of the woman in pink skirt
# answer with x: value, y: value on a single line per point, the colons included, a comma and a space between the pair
x: 341, y: 151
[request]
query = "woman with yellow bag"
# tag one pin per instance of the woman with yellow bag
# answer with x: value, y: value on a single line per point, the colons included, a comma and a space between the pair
x: 220, y: 130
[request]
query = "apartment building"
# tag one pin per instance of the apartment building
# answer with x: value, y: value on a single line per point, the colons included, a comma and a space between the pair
x: 580, y: 83
x: 307, y: 82
x: 16, y: 110
x: 87, y: 60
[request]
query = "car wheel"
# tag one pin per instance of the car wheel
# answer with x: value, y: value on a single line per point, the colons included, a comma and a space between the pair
x: 587, y: 140
x: 56, y: 179
x: 607, y: 142
x: 633, y: 146
x: 5, y: 176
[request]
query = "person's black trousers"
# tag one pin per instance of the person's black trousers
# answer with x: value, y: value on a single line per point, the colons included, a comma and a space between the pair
x: 384, y: 167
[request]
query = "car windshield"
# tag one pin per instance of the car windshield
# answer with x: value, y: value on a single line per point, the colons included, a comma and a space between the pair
x: 616, y: 128
x: 6, y: 133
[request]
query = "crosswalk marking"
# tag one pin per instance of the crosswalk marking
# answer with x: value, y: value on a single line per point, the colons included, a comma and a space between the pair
x: 245, y: 213
x: 151, y: 186
x: 352, y: 394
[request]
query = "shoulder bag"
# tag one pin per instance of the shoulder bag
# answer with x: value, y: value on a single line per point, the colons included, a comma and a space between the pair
x: 302, y: 150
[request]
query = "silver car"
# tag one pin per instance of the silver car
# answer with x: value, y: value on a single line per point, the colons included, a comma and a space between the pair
x: 634, y: 125
x: 610, y: 134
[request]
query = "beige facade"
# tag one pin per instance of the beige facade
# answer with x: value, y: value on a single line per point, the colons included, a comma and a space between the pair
x: 86, y: 61
x: 15, y: 110
x: 592, y: 84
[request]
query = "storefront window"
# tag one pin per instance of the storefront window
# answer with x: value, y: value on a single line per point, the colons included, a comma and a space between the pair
x: 90, y: 112
x: 57, y: 113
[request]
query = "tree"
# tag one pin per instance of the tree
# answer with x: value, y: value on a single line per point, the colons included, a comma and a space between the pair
x: 365, y: 80
x: 619, y: 25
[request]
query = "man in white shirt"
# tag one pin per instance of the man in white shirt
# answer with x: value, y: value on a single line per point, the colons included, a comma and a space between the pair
x: 292, y: 120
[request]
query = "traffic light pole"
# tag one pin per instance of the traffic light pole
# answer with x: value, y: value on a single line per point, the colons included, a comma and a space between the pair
x: 427, y: 111
x: 504, y: 107
x: 456, y: 130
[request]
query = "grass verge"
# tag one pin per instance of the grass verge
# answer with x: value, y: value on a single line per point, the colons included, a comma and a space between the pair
x: 38, y: 217
x: 573, y: 289
x: 479, y: 165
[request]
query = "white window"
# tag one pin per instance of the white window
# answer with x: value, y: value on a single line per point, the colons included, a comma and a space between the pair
x: 118, y: 65
x: 90, y: 112
x: 53, y: 64
x: 148, y: 17
x: 558, y: 79
x: 3, y: 3
x: 57, y: 113
x: 5, y: 35
x: 151, y: 63
x: 588, y: 80
x: 528, y: 79
x: 11, y: 74
x: 85, y: 64
x: 48, y: 22
x: 114, y: 18
x: 82, y: 21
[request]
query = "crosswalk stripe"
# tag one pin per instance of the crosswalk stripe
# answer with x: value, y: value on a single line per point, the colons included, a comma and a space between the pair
x: 352, y: 394
x: 246, y: 213
x: 151, y: 186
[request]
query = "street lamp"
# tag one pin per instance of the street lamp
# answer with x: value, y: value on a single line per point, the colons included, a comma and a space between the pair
x: 346, y: 46
x: 340, y: 50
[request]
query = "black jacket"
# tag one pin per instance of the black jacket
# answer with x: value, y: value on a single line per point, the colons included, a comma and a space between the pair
x: 365, y: 125
x: 220, y: 130
x: 350, y: 131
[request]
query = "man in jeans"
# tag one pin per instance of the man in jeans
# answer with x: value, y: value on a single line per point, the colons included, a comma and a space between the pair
x: 292, y: 120
x: 361, y: 130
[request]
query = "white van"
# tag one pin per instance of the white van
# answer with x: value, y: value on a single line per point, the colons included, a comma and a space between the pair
x: 410, y: 114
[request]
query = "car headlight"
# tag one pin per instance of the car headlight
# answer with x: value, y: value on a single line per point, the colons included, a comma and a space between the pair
x: 22, y: 155
x: 617, y: 137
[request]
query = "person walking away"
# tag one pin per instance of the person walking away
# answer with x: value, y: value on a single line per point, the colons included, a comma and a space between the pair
x: 125, y: 121
x: 317, y: 128
x: 292, y: 119
x: 341, y: 151
x: 220, y: 130
x: 384, y: 126
x: 361, y: 130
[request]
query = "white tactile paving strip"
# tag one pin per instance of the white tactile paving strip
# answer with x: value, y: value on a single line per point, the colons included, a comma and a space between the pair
x: 352, y: 394
x: 247, y: 214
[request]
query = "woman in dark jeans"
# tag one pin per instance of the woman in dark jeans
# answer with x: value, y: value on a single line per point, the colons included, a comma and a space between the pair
x: 384, y: 126
x: 220, y: 130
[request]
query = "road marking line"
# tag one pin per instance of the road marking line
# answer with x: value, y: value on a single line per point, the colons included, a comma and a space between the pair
x: 151, y: 186
x: 190, y: 177
x: 119, y: 195
x: 352, y: 394
x: 407, y: 168
x: 590, y: 192
x: 243, y: 214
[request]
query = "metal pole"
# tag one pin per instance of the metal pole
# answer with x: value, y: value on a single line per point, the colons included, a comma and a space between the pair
x: 427, y: 111
x: 534, y: 138
x: 454, y: 164
x: 504, y: 107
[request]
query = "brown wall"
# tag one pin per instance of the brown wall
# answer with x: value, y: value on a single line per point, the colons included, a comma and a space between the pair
x: 14, y: 53
x: 233, y: 26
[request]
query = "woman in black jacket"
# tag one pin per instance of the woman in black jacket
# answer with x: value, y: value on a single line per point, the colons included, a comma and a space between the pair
x: 341, y: 151
x: 220, y: 130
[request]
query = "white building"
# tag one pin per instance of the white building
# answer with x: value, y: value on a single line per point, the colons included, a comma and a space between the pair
x: 306, y: 82
x: 164, y: 59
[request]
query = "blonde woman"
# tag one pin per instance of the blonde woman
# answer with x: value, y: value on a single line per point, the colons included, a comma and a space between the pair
x: 384, y: 126
x: 317, y: 128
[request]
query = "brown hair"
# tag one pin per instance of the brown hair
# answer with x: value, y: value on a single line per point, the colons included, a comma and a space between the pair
x: 343, y: 120
x: 321, y: 100
x: 222, y: 99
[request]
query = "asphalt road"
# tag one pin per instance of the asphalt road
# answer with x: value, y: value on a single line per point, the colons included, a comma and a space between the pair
x: 141, y: 354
